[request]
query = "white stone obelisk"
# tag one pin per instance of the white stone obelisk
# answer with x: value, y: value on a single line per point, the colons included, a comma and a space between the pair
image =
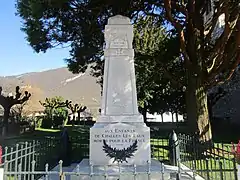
x: 120, y: 127
x: 119, y: 82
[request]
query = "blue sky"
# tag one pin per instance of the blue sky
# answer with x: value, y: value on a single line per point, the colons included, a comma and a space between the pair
x: 16, y: 56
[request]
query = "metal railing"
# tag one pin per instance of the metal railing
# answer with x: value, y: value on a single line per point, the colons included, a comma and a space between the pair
x: 22, y: 154
x: 35, y: 158
x: 163, y: 172
x: 213, y: 161
x: 20, y: 157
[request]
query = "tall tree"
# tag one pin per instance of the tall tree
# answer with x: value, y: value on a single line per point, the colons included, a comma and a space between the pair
x: 147, y: 41
x: 156, y: 53
x: 7, y: 102
x: 54, y: 105
x: 205, y: 52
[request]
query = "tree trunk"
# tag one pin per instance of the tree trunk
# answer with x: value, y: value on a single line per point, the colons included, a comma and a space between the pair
x: 162, y: 117
x: 143, y: 111
x: 52, y: 118
x: 73, y: 120
x: 79, y: 116
x: 176, y: 115
x: 5, y: 121
x: 197, y: 110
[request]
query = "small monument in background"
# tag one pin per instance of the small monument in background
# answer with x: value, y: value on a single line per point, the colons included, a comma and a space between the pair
x: 120, y: 134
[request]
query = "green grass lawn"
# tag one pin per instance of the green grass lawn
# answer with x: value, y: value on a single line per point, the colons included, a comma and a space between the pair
x: 211, y: 163
x: 208, y: 166
x: 42, y: 133
x: 211, y: 167
x: 47, y: 130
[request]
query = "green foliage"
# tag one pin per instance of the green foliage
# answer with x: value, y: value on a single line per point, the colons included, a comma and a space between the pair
x: 55, y: 110
x: 80, y: 25
x: 155, y: 92
x: 60, y: 112
x: 51, y: 23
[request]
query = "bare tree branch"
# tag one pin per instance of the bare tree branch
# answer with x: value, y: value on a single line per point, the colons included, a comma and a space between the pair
x: 179, y: 28
x: 224, y: 53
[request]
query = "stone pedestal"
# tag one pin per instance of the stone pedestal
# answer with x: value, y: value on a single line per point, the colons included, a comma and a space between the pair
x: 120, y: 134
x: 119, y: 143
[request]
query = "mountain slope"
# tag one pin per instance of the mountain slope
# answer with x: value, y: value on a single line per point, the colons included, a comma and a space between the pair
x: 80, y: 88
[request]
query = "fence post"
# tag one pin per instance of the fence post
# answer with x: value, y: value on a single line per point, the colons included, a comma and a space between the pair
x: 19, y: 170
x: 1, y: 173
x: 16, y: 161
x: 174, y: 150
x: 29, y: 159
x: 46, y: 171
x: 33, y: 150
x: 33, y: 169
x: 11, y: 157
x: 25, y: 160
x: 61, y: 175
x: 235, y: 169
x: 221, y: 170
x: 5, y: 169
x: 5, y: 154
x: 207, y: 168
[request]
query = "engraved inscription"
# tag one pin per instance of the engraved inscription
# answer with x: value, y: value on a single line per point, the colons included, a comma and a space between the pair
x: 119, y: 52
x: 118, y: 43
x: 120, y: 136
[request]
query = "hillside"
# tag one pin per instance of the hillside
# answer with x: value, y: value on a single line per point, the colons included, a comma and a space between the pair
x: 81, y: 88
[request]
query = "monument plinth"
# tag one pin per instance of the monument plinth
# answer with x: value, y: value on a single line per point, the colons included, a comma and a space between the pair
x: 120, y: 134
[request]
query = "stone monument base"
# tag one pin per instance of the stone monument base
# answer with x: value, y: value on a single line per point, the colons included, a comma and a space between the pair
x: 120, y: 143
x: 127, y: 172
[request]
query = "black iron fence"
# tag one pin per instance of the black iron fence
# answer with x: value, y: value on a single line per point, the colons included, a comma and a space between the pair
x: 213, y: 161
x: 21, y: 156
x: 24, y: 161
